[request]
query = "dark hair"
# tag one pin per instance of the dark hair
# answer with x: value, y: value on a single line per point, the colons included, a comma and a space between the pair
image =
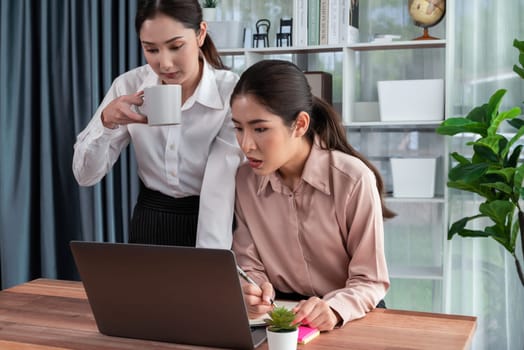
x: 187, y: 12
x: 283, y: 89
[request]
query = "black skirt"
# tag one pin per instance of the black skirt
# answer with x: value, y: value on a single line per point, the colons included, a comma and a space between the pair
x: 164, y: 220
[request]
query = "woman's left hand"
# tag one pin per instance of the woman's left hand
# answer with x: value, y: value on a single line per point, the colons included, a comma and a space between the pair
x: 316, y: 313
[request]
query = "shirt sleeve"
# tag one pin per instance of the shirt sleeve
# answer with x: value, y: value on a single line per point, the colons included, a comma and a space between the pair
x: 97, y: 148
x: 245, y: 250
x: 215, y: 217
x: 368, y: 279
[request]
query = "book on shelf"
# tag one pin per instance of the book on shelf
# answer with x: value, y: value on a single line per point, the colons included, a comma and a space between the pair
x: 323, y: 22
x: 349, y: 22
x: 300, y: 23
x: 333, y: 22
x: 329, y: 22
x: 313, y: 22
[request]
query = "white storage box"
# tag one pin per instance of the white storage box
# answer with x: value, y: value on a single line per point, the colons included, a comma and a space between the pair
x: 411, y: 100
x: 413, y: 177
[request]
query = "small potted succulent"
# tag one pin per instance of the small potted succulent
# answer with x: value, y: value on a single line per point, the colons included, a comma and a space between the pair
x: 209, y: 3
x: 209, y: 10
x: 282, y: 334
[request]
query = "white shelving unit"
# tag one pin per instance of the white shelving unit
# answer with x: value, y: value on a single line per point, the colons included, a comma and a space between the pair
x: 416, y: 238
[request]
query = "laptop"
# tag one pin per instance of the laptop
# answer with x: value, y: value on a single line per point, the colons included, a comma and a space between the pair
x: 171, y: 294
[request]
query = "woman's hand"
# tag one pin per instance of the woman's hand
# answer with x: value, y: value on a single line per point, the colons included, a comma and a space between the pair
x: 119, y: 111
x: 316, y: 313
x: 258, y: 299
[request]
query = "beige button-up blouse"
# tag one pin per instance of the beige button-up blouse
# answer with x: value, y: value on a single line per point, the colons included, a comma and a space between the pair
x: 325, y: 239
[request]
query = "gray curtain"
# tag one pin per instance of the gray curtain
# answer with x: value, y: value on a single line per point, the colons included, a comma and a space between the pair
x: 57, y: 60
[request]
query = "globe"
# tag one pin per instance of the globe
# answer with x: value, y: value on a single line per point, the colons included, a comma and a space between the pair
x: 426, y: 13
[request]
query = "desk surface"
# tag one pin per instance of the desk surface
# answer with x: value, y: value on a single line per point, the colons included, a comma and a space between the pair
x: 49, y: 314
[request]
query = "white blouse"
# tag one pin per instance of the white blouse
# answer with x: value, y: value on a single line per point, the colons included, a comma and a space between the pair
x: 198, y: 157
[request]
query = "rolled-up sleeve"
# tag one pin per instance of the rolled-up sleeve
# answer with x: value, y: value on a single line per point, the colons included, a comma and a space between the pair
x: 97, y: 148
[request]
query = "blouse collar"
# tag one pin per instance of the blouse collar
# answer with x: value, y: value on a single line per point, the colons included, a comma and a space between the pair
x: 316, y: 173
x: 207, y: 92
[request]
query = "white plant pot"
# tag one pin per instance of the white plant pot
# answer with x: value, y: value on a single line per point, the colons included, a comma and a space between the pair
x: 282, y: 340
x: 226, y: 34
x: 209, y: 14
x: 413, y: 177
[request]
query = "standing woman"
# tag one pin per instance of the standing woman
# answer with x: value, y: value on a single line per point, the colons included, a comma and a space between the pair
x: 309, y: 208
x: 186, y: 171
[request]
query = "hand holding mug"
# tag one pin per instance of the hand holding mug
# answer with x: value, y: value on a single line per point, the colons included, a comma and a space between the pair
x: 162, y: 104
x: 119, y: 111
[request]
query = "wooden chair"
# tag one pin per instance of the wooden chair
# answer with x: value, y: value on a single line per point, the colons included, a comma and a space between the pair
x: 262, y: 33
x: 286, y: 32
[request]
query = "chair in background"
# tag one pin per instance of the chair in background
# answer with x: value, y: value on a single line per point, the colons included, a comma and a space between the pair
x: 286, y: 32
x: 262, y: 33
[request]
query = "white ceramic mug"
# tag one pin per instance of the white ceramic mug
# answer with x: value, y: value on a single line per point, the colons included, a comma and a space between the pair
x: 162, y: 104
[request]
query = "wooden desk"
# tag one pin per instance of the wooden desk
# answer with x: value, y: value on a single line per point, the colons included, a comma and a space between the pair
x: 50, y: 315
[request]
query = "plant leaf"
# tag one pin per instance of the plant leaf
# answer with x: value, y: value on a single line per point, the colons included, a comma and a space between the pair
x: 464, y: 186
x: 458, y: 227
x: 519, y: 132
x: 480, y: 115
x: 460, y: 158
x: 514, y: 158
x: 500, y: 186
x: 486, y: 149
x: 517, y: 123
x: 473, y: 233
x: 281, y: 320
x: 506, y: 173
x: 500, y: 212
x: 520, y: 46
x: 518, y: 177
x: 467, y: 172
x: 519, y: 70
x: 457, y: 125
x: 501, y: 235
x: 492, y: 110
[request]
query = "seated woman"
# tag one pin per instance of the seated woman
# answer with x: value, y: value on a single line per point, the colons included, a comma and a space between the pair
x: 309, y: 210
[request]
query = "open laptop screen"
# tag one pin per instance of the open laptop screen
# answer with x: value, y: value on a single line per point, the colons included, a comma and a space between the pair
x: 165, y: 293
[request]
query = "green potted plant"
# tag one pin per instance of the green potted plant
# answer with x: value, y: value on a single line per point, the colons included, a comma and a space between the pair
x: 209, y: 10
x: 494, y: 171
x: 282, y: 334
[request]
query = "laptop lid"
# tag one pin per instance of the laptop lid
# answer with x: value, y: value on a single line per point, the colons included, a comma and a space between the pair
x: 166, y: 293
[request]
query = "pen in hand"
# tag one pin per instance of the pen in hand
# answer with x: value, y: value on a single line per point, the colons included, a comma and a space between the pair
x: 250, y: 280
